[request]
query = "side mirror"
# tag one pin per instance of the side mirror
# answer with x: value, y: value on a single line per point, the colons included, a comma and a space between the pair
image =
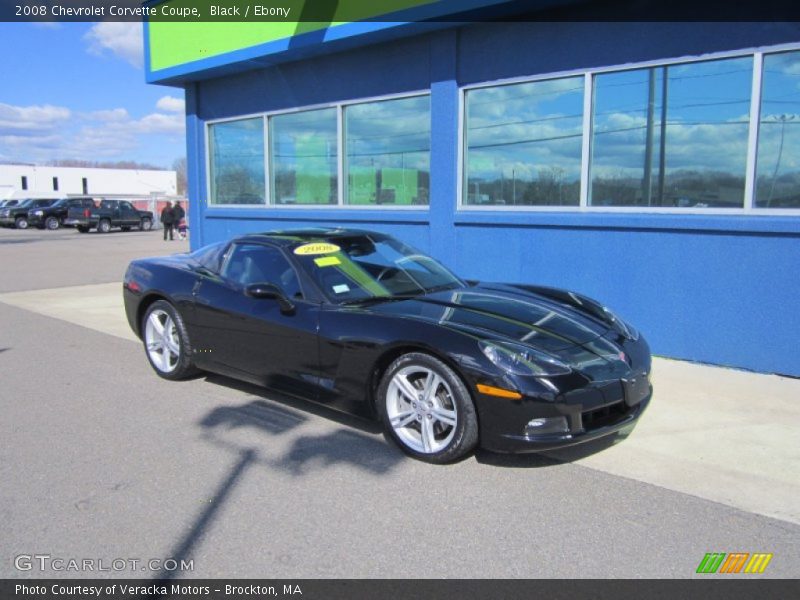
x: 271, y: 291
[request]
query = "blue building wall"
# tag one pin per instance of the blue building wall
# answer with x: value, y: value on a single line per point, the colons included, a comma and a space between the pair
x: 711, y: 288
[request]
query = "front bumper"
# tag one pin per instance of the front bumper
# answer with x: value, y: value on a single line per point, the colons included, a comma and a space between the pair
x: 617, y: 420
x: 36, y: 220
x: 583, y: 409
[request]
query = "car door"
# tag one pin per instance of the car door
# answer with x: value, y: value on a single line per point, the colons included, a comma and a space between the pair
x: 254, y: 338
x: 127, y: 214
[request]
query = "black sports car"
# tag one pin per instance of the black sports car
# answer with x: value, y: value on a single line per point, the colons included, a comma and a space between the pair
x: 361, y: 322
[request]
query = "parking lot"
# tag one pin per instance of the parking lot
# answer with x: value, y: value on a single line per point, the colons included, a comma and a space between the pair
x: 103, y: 460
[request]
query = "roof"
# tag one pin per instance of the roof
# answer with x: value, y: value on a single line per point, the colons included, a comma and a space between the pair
x: 288, y: 237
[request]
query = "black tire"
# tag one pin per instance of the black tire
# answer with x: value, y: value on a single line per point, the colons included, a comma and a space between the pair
x: 145, y: 225
x: 184, y: 366
x: 104, y: 226
x: 464, y: 433
x: 125, y: 228
x: 21, y: 222
x: 52, y: 223
x: 82, y: 229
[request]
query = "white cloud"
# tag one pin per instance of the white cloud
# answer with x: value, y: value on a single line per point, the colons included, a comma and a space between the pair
x: 42, y: 133
x: 113, y: 115
x: 160, y: 123
x: 31, y: 119
x: 171, y: 104
x: 122, y: 39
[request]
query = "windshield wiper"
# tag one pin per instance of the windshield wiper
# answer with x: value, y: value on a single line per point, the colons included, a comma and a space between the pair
x: 442, y: 288
x: 377, y: 299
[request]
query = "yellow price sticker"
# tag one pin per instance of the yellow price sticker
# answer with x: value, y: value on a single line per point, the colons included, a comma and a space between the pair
x: 316, y: 248
x: 327, y: 261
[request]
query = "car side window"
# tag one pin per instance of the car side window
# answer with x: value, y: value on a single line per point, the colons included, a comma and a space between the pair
x: 126, y: 205
x: 246, y: 264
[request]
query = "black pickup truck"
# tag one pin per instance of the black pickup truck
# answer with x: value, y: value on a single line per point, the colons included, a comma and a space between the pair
x: 110, y: 213
x: 53, y: 216
x: 17, y: 216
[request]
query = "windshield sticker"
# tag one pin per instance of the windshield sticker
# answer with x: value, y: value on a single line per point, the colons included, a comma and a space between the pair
x: 342, y: 288
x: 327, y: 261
x: 316, y: 248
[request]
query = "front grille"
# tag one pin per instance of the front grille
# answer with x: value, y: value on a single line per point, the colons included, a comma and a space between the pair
x: 605, y: 416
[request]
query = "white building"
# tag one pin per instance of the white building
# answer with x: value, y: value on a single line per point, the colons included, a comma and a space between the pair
x: 29, y: 181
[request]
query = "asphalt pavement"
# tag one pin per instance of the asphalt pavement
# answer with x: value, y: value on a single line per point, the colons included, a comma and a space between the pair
x: 101, y: 459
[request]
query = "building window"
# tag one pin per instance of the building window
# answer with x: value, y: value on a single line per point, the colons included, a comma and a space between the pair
x: 24, y: 182
x: 523, y: 144
x: 55, y: 184
x: 85, y: 185
x: 304, y: 157
x: 236, y: 151
x: 778, y: 172
x: 673, y: 136
x: 387, y: 151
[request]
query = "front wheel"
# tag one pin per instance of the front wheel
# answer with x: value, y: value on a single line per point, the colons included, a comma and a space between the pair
x: 104, y: 226
x: 427, y: 410
x: 52, y: 223
x: 166, y: 341
x: 145, y: 225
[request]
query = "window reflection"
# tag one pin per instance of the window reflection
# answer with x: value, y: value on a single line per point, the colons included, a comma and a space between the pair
x: 778, y: 170
x: 523, y: 144
x: 672, y: 136
x: 236, y: 150
x: 388, y: 152
x: 304, y: 157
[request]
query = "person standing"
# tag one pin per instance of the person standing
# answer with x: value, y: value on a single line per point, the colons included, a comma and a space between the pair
x: 178, y: 219
x: 168, y: 221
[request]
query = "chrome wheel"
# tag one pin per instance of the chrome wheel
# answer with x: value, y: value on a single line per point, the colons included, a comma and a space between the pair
x: 52, y: 223
x: 421, y: 409
x: 162, y: 341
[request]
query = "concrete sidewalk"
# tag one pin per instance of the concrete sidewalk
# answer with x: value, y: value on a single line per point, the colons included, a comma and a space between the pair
x: 724, y: 435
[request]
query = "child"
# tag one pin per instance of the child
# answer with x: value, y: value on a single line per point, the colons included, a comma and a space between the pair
x: 182, y: 229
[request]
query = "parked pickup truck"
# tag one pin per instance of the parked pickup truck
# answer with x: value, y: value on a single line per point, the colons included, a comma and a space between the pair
x: 17, y: 216
x: 110, y: 213
x: 53, y: 216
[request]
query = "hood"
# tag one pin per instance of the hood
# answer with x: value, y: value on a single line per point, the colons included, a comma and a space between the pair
x: 503, y: 312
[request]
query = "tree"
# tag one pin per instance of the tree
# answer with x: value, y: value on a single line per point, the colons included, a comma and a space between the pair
x: 179, y: 166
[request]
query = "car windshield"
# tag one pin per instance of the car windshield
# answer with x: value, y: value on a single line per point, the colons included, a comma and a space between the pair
x: 366, y: 268
x: 26, y: 202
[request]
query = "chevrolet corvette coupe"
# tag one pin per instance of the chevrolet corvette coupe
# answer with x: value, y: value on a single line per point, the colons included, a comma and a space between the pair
x: 363, y: 323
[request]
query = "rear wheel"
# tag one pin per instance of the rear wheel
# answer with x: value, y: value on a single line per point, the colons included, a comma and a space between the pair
x: 52, y: 223
x: 427, y: 410
x: 104, y: 226
x: 21, y: 222
x: 166, y: 342
x: 145, y: 225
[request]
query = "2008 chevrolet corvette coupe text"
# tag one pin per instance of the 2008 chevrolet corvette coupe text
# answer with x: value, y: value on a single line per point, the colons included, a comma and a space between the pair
x: 361, y: 322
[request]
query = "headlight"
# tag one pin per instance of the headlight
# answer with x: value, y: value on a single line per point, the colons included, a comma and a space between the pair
x: 38, y: 213
x: 521, y: 360
x: 621, y: 326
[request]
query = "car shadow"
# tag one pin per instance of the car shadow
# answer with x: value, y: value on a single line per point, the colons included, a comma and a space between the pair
x: 297, y: 406
x: 549, y: 458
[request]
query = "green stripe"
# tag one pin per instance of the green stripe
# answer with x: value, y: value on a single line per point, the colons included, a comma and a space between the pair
x: 359, y: 276
x: 711, y: 562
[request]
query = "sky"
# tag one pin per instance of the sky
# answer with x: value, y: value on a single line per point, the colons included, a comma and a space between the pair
x: 77, y: 91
